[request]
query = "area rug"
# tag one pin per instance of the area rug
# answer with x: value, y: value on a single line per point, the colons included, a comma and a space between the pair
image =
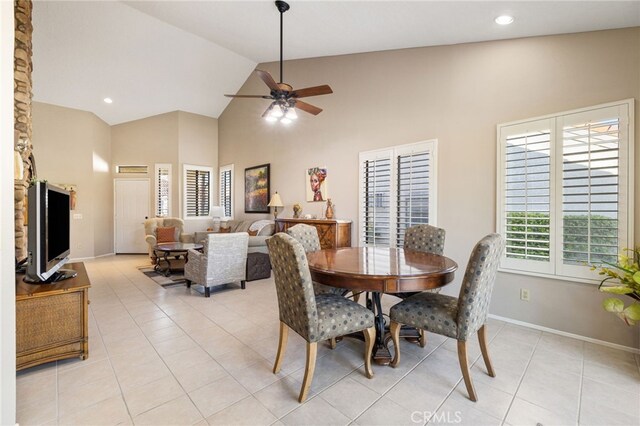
x: 173, y: 280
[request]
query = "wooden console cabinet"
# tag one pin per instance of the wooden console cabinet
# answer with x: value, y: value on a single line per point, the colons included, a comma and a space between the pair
x: 52, y: 319
x: 332, y: 233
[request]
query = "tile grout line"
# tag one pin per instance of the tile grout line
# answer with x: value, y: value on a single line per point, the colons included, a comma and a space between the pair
x: 524, y: 373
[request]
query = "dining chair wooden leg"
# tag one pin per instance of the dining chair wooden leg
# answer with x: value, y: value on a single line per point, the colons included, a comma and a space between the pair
x: 369, y: 340
x: 333, y: 343
x: 482, y: 337
x: 188, y: 282
x: 464, y: 366
x: 207, y: 292
x: 282, y: 346
x: 312, y: 351
x: 394, y: 330
x: 423, y: 338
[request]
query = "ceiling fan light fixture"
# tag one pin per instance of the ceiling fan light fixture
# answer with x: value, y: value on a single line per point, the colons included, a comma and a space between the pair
x: 291, y: 113
x: 276, y: 111
x: 271, y: 119
x: 285, y: 120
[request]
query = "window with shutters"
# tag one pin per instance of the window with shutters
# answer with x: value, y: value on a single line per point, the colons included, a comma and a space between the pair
x: 226, y: 191
x: 397, y: 190
x: 564, y: 182
x: 197, y: 191
x: 163, y: 190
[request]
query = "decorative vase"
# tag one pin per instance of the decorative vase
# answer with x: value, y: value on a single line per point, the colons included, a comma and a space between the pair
x: 297, y: 209
x: 329, y: 212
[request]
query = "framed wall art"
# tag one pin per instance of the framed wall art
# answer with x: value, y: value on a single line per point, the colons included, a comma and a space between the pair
x: 256, y: 189
x: 316, y: 181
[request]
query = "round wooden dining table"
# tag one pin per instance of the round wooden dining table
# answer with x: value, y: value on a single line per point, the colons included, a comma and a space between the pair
x: 379, y: 270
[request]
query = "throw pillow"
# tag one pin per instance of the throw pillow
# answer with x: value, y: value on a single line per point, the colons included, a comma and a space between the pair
x: 224, y: 230
x: 166, y: 235
x: 252, y: 233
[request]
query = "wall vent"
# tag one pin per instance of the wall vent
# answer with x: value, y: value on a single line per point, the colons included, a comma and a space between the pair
x: 138, y: 170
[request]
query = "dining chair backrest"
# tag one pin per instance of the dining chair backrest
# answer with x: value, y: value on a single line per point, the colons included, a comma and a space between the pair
x: 477, y: 285
x: 296, y: 299
x: 425, y: 238
x: 306, y: 235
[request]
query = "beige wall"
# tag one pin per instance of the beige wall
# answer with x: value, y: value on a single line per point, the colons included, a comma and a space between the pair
x: 198, y: 145
x: 73, y: 147
x: 176, y: 138
x: 146, y: 142
x: 456, y: 94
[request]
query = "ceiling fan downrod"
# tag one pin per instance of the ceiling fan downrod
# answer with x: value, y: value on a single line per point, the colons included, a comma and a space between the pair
x: 282, y: 8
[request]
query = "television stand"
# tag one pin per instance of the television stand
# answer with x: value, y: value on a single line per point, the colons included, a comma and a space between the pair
x: 60, y: 275
x: 52, y: 321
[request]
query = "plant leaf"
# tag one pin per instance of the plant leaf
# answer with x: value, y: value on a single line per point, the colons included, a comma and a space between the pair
x: 633, y: 311
x: 613, y: 305
x: 636, y: 277
x: 617, y: 289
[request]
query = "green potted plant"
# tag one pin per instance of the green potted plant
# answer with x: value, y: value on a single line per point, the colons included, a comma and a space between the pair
x: 622, y: 278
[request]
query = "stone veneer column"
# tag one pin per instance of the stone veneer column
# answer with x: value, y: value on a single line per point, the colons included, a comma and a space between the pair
x: 22, y: 68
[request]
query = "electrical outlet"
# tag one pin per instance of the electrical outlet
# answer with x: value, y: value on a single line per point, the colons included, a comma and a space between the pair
x: 524, y: 294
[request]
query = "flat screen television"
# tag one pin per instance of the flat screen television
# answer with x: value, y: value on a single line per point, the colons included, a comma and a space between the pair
x: 48, y: 234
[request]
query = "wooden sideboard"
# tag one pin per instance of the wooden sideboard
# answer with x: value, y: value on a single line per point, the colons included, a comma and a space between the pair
x: 332, y: 233
x: 52, y: 319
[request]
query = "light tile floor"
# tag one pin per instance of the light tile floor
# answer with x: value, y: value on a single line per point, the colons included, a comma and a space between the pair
x: 171, y: 356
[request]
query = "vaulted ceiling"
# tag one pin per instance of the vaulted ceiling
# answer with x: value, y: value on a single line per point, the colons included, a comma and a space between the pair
x: 153, y: 57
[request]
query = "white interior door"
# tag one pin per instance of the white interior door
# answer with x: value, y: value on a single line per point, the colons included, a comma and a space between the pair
x: 132, y: 208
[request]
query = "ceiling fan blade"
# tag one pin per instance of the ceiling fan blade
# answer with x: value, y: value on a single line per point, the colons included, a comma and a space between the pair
x: 266, y: 112
x: 249, y: 96
x: 268, y: 80
x: 311, y: 109
x: 312, y: 91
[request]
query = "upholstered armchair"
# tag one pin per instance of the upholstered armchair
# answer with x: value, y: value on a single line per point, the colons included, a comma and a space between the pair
x: 151, y: 226
x: 223, y: 260
x: 458, y: 318
x: 312, y: 316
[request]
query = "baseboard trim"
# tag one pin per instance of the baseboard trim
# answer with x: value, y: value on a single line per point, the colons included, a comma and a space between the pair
x: 81, y: 259
x: 565, y: 334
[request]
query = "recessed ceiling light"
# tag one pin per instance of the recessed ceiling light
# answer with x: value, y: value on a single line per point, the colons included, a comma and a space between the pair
x: 108, y: 100
x: 504, y: 20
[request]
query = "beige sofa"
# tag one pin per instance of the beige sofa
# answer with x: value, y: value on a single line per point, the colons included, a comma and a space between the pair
x: 257, y: 243
x: 150, y: 226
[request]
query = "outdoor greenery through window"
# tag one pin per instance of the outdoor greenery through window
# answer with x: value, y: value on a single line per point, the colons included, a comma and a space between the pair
x: 197, y: 191
x: 397, y: 190
x: 563, y: 185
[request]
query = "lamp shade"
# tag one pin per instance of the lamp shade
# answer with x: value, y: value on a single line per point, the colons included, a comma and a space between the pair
x: 276, y: 201
x: 216, y: 211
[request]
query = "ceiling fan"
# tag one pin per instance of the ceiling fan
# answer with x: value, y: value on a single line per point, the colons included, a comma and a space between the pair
x: 285, y: 98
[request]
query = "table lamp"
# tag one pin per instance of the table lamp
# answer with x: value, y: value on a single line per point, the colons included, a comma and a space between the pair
x: 275, y: 202
x: 216, y: 212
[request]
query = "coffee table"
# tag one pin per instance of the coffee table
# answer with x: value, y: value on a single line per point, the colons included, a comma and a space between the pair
x: 172, y: 249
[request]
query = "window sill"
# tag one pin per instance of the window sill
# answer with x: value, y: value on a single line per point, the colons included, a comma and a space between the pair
x: 588, y: 281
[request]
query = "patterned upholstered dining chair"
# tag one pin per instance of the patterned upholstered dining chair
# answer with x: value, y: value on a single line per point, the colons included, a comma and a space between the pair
x: 459, y: 317
x: 313, y: 317
x: 427, y: 239
x: 424, y: 238
x: 307, y: 235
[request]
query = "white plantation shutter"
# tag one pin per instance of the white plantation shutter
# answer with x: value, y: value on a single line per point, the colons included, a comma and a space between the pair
x: 414, y: 176
x: 527, y: 194
x: 397, y: 190
x: 594, y: 204
x: 563, y: 190
x: 375, y: 205
x: 226, y: 190
x: 197, y: 191
x: 163, y: 190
